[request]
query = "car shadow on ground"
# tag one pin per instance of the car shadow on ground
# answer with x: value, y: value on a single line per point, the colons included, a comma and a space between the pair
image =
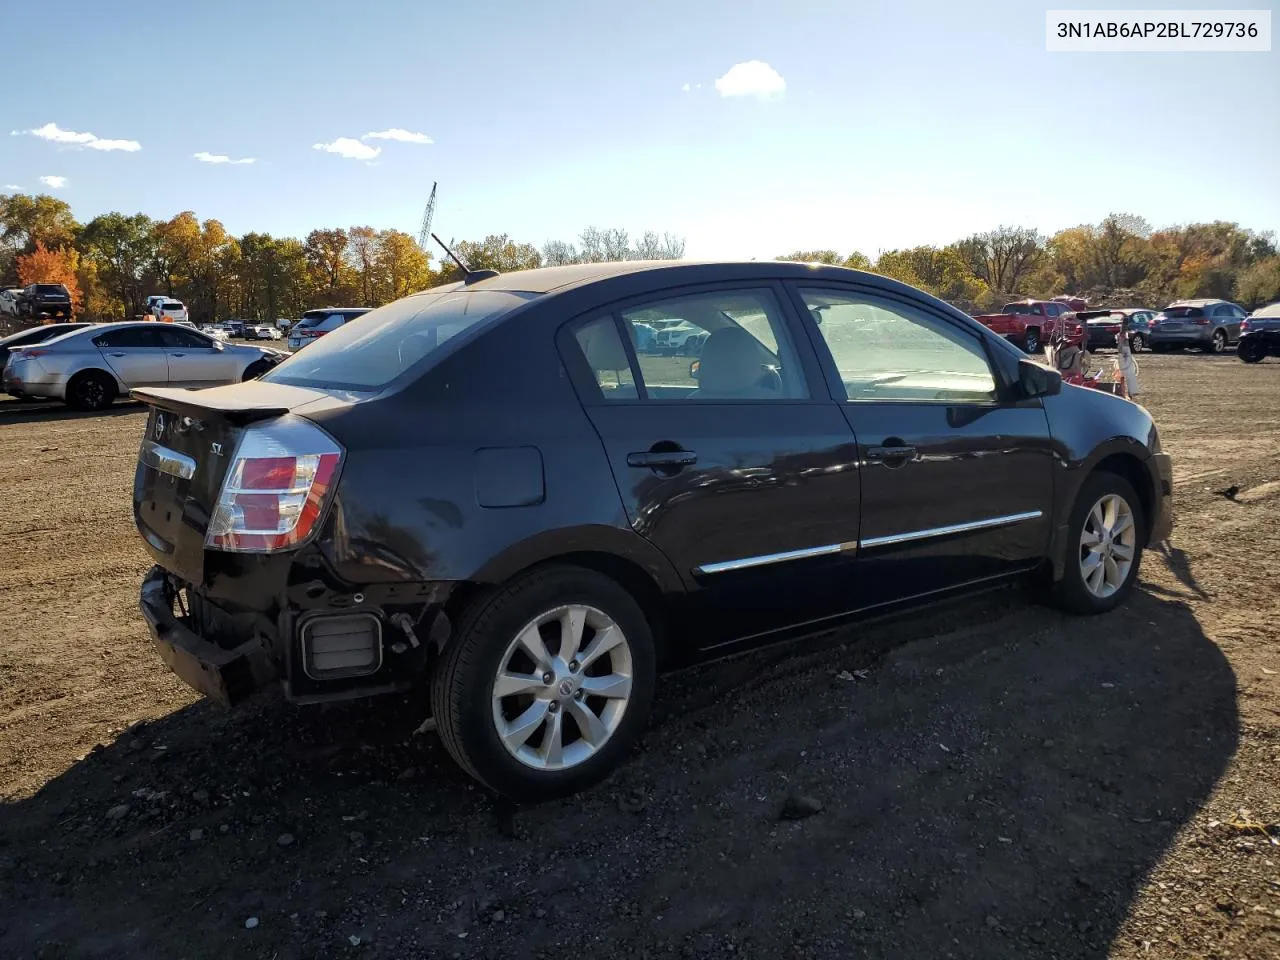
x: 994, y: 780
x: 32, y: 411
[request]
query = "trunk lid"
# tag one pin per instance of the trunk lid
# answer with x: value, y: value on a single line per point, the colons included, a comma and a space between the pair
x: 189, y: 444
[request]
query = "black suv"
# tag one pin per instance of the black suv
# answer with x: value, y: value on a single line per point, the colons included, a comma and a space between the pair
x: 492, y: 486
x: 51, y: 299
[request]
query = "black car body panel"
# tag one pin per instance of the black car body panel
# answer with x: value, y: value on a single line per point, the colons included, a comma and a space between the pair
x: 496, y: 454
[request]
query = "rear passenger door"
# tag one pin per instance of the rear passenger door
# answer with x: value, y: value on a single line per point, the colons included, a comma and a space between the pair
x: 957, y: 483
x: 136, y: 355
x: 738, y: 470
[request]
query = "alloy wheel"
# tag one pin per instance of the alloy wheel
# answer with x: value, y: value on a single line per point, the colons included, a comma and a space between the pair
x: 562, y: 688
x: 1108, y: 545
x: 1219, y: 341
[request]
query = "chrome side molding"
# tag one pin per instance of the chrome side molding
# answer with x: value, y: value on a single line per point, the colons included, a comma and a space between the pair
x: 870, y: 543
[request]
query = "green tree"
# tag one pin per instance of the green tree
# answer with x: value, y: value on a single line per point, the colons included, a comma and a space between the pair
x: 1259, y: 284
x: 402, y: 267
x: 1003, y: 257
x: 122, y: 251
x: 495, y: 252
x: 332, y: 278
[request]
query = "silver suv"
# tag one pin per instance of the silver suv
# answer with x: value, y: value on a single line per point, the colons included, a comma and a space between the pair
x: 88, y: 369
x: 1207, y: 324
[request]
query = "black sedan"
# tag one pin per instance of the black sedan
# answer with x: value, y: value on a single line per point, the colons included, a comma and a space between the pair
x: 492, y: 487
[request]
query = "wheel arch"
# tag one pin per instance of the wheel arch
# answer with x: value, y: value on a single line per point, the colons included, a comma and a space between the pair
x: 623, y: 556
x: 122, y: 388
x: 1123, y: 457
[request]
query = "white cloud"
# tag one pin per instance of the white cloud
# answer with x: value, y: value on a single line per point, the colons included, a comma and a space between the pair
x: 685, y: 88
x: 128, y: 146
x: 205, y: 157
x: 350, y: 148
x: 754, y: 78
x: 55, y: 134
x: 54, y: 182
x: 396, y: 133
x: 12, y: 186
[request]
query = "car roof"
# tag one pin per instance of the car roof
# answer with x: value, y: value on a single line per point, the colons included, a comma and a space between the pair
x: 1202, y: 302
x: 544, y: 280
x: 1270, y: 310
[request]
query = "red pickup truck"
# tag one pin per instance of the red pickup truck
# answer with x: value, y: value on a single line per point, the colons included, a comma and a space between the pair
x: 1028, y: 323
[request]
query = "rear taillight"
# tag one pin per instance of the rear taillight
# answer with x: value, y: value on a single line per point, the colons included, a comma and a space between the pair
x: 29, y: 353
x: 279, y: 481
x: 1201, y: 321
x: 1244, y: 325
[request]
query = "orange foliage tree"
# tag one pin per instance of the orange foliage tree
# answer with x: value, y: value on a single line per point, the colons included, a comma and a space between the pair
x: 52, y: 266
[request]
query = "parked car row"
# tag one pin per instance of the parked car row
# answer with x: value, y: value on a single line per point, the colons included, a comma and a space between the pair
x: 1210, y: 325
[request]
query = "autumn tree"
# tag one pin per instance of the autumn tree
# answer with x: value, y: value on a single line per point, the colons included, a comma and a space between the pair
x: 326, y: 253
x: 495, y: 252
x: 401, y: 266
x: 43, y: 265
x: 26, y: 220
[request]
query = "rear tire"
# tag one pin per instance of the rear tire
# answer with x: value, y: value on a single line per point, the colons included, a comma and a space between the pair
x: 1137, y: 342
x: 1217, y: 343
x: 1098, y: 537
x: 1031, y: 341
x: 91, y: 390
x: 478, y: 725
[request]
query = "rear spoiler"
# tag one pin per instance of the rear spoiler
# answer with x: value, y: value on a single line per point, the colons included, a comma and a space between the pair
x: 238, y: 410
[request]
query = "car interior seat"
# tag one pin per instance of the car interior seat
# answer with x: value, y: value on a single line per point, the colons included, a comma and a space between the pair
x: 730, y: 368
x: 604, y: 352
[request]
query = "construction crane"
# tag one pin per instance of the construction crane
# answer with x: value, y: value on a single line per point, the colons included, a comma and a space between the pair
x: 425, y: 233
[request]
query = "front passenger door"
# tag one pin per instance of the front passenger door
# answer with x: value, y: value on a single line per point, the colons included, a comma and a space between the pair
x: 194, y: 359
x: 957, y: 482
x: 135, y: 355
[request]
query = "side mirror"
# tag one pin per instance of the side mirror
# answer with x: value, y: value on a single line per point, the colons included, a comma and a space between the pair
x: 1035, y: 380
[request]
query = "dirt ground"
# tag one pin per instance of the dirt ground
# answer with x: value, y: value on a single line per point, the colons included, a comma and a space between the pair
x: 996, y: 780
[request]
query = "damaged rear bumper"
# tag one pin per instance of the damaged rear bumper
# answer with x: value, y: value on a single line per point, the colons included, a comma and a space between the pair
x: 228, y: 676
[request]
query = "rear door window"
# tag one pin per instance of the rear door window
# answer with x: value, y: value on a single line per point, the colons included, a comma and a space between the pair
x: 130, y: 337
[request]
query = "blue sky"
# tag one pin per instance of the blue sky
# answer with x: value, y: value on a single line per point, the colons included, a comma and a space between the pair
x: 900, y: 122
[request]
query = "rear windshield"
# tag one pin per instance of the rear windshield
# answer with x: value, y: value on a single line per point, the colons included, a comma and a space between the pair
x: 313, y: 318
x: 171, y: 305
x: 369, y: 354
x: 1270, y: 310
x: 1183, y: 312
x: 1019, y: 308
x: 50, y: 288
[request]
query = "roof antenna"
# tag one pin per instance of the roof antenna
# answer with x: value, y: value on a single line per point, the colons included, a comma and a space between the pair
x: 469, y: 276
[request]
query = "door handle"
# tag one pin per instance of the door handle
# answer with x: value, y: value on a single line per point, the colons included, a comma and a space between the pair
x: 662, y: 458
x: 893, y: 454
x: 177, y: 354
x: 117, y: 354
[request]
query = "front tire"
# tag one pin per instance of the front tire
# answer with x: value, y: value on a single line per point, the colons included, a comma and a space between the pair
x: 90, y: 391
x: 255, y: 370
x: 547, y: 684
x: 1105, y: 537
x: 1250, y: 351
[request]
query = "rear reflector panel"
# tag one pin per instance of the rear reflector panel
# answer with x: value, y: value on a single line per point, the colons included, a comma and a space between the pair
x: 341, y: 646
